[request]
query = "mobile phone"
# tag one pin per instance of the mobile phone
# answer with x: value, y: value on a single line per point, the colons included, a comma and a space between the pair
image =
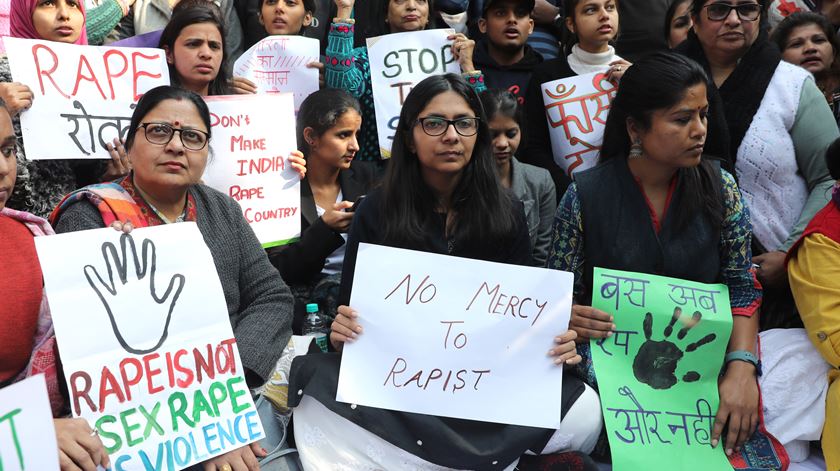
x: 355, y: 204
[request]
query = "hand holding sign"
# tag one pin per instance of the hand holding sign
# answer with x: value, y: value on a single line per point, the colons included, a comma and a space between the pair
x: 79, y: 446
x: 120, y: 301
x: 739, y: 401
x: 17, y: 96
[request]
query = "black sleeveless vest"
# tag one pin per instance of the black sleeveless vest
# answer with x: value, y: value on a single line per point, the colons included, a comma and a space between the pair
x: 619, y: 234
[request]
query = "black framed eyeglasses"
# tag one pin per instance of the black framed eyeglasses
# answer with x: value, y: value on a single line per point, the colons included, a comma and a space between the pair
x: 162, y: 133
x: 435, y: 126
x: 720, y: 11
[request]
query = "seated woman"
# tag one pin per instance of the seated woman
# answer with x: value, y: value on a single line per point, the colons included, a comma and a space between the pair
x: 348, y: 68
x: 532, y: 185
x: 327, y: 124
x: 446, y: 204
x: 655, y: 204
x: 42, y: 183
x: 779, y: 127
x: 810, y: 41
x: 27, y: 341
x: 167, y: 143
x: 813, y: 269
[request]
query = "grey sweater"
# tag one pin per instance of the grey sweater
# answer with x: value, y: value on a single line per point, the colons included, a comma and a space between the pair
x: 259, y: 302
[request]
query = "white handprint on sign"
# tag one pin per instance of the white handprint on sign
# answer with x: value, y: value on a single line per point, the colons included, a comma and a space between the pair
x: 133, y: 304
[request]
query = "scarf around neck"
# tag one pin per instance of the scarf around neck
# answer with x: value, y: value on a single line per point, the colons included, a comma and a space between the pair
x: 742, y: 92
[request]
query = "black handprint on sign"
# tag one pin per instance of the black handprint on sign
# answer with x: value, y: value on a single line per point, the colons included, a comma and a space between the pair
x: 128, y: 304
x: 656, y: 361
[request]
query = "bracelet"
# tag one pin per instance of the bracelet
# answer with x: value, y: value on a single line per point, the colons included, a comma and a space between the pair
x: 346, y: 21
x: 745, y: 356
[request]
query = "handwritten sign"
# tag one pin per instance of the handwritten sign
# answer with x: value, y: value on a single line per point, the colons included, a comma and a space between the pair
x: 658, y: 373
x: 397, y: 63
x: 456, y: 337
x: 84, y: 95
x: 253, y: 137
x: 27, y: 436
x: 279, y: 64
x: 146, y: 343
x: 576, y: 109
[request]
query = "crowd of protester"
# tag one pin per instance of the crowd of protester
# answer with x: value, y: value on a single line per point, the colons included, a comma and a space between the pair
x: 719, y: 164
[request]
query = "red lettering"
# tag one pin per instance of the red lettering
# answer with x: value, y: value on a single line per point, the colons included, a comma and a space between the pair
x: 80, y: 76
x: 204, y: 363
x: 188, y: 374
x: 112, y: 76
x: 83, y: 393
x: 46, y: 73
x: 229, y: 343
x: 135, y: 379
x: 108, y: 386
x: 141, y: 73
x: 151, y: 373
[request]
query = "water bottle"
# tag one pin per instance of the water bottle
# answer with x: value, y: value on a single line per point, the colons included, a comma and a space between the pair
x: 314, y: 326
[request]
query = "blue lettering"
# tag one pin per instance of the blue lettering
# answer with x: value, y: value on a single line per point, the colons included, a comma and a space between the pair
x: 207, y: 430
x: 253, y: 426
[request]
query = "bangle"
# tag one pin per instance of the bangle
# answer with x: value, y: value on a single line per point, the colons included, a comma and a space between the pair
x: 745, y: 356
x: 346, y: 21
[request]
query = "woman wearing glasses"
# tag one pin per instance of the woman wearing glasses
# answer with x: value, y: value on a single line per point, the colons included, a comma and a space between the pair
x: 167, y: 145
x: 440, y: 195
x: 779, y: 128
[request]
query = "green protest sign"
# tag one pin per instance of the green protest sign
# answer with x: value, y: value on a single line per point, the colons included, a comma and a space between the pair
x: 657, y: 374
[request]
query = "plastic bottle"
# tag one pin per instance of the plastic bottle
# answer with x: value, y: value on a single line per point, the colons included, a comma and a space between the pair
x: 314, y: 326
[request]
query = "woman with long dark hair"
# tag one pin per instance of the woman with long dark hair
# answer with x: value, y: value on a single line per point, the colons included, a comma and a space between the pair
x: 657, y: 204
x: 327, y: 125
x: 440, y: 195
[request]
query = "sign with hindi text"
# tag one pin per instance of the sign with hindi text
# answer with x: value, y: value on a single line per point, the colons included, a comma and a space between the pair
x: 398, y: 62
x: 658, y: 373
x: 253, y: 136
x: 576, y: 109
x: 279, y: 64
x: 146, y: 344
x: 83, y: 95
x: 456, y: 337
x: 27, y: 435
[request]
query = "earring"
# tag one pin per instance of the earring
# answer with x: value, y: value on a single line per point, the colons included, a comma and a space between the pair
x: 635, y: 150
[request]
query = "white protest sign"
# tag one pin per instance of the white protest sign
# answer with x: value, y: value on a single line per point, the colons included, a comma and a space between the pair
x: 146, y: 344
x: 576, y: 109
x: 27, y: 435
x: 398, y: 62
x: 253, y: 136
x: 83, y: 95
x: 279, y: 64
x: 456, y: 337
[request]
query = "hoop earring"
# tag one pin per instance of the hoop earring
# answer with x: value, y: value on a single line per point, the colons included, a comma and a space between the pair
x: 635, y: 150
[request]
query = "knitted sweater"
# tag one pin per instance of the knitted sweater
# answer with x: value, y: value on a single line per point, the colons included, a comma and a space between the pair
x: 259, y: 302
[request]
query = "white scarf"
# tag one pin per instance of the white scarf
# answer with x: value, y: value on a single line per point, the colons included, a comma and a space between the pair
x: 582, y: 62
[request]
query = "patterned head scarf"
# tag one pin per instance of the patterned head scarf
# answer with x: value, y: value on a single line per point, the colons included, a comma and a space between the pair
x: 23, y: 27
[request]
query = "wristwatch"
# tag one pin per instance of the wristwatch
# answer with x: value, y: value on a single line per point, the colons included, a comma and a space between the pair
x: 745, y: 356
